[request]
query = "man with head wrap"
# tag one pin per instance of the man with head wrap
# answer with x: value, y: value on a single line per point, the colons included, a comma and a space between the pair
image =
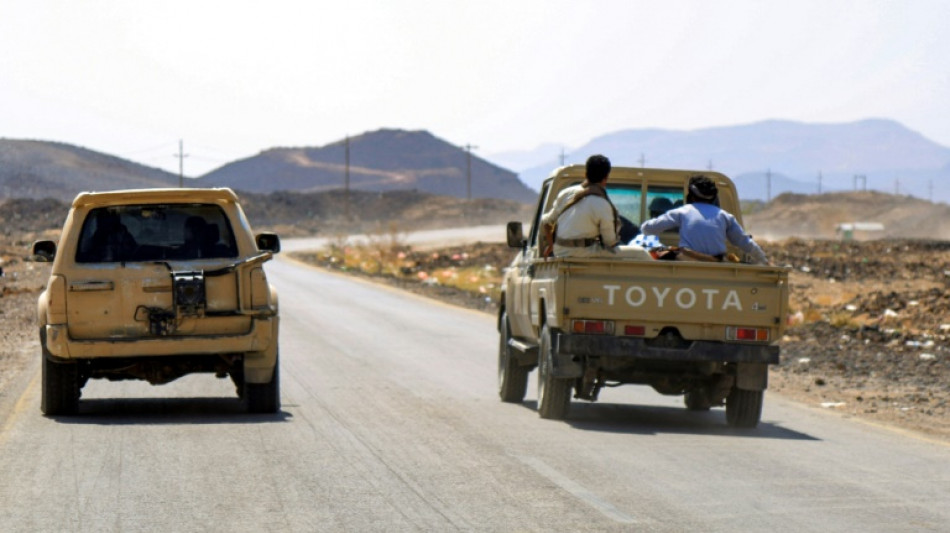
x: 703, y: 226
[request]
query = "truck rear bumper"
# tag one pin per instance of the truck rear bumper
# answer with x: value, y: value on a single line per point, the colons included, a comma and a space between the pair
x: 566, y: 347
x: 260, y: 338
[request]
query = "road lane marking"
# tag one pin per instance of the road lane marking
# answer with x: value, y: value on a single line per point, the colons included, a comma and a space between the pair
x: 577, y: 490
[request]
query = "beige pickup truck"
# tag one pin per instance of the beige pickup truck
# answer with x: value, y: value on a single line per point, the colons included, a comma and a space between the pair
x: 153, y: 285
x: 704, y: 330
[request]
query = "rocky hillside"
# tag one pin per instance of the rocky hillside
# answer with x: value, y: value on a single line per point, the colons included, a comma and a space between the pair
x: 817, y: 216
x: 324, y: 213
x: 383, y: 160
x: 335, y: 212
x: 41, y: 169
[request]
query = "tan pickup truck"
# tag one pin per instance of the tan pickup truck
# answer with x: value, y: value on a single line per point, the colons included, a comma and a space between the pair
x: 704, y: 330
x: 153, y: 285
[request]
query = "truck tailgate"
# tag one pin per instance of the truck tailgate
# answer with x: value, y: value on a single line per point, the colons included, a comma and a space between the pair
x: 676, y: 293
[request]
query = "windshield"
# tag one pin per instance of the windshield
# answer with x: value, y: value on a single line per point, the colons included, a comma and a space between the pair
x: 155, y: 233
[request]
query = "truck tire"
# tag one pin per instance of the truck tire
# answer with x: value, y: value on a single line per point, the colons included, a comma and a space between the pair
x: 512, y: 377
x: 60, y: 394
x: 744, y: 407
x: 554, y: 395
x: 264, y: 397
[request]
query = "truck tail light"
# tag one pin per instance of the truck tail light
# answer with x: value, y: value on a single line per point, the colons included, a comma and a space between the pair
x: 595, y: 327
x: 260, y: 291
x: 639, y: 331
x: 734, y: 333
x: 56, y: 300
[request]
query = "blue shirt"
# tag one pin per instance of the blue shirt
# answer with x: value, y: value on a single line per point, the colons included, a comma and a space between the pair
x: 704, y: 228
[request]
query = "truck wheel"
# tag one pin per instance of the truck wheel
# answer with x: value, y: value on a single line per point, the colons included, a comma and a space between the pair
x: 60, y: 387
x: 744, y: 407
x: 512, y: 377
x: 554, y: 395
x: 264, y: 397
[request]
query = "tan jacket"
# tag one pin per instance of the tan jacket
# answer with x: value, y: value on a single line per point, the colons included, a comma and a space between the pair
x: 589, y: 218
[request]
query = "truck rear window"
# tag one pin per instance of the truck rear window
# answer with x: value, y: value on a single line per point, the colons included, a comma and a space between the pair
x: 155, y: 232
x: 662, y: 199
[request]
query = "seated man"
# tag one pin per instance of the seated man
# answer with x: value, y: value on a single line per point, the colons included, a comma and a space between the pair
x: 585, y: 219
x: 585, y: 222
x: 703, y: 226
x: 194, y: 236
x: 659, y: 205
x: 111, y: 240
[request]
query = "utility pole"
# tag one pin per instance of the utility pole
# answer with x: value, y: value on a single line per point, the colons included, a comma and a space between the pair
x: 819, y: 182
x: 643, y: 160
x: 709, y: 165
x: 468, y: 170
x: 768, y: 185
x: 346, y: 177
x: 181, y: 155
x: 897, y: 186
x: 864, y: 181
x: 562, y: 157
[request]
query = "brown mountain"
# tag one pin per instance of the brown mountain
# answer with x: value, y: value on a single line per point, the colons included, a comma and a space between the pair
x: 382, y: 160
x: 41, y: 169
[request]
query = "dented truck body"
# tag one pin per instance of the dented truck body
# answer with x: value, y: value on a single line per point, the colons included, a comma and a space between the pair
x: 704, y: 330
x: 154, y: 285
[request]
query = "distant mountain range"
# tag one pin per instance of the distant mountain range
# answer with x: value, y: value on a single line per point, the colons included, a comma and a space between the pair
x: 383, y: 160
x: 765, y: 159
x: 889, y: 156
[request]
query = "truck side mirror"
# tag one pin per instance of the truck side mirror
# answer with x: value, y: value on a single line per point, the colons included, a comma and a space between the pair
x: 44, y: 251
x: 515, y: 235
x: 267, y: 242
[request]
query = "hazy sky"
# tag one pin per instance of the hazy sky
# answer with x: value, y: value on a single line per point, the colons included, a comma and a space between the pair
x: 232, y: 78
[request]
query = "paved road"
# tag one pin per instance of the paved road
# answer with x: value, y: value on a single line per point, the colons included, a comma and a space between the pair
x: 391, y: 423
x: 420, y: 239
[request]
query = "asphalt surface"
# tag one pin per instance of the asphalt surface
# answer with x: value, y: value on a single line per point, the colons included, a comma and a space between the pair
x: 419, y: 239
x: 391, y: 422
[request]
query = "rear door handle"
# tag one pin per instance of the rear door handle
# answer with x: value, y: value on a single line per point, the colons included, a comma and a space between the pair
x: 91, y: 285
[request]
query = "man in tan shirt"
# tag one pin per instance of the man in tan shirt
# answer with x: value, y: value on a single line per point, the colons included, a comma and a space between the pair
x: 586, y: 220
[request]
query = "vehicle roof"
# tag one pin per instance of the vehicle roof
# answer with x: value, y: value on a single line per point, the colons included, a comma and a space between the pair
x: 654, y: 175
x: 179, y: 195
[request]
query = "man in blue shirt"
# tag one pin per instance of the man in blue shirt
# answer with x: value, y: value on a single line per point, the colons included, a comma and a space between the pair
x: 703, y: 226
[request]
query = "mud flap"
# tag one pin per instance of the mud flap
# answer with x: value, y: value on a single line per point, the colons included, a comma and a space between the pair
x: 752, y: 376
